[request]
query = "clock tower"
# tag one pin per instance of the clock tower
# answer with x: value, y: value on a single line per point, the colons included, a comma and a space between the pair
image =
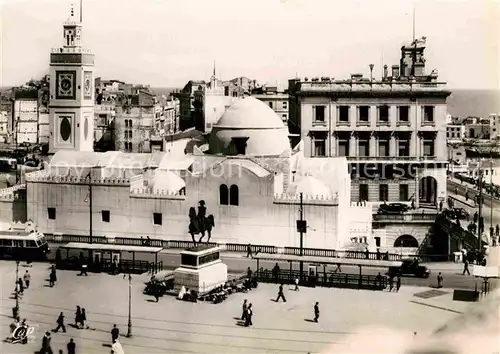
x: 71, y: 104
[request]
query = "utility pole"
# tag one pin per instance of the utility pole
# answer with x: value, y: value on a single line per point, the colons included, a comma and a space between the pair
x: 301, y: 228
x: 480, y: 203
x: 129, y: 326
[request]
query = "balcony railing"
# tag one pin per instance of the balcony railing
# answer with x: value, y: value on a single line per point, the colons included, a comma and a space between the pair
x: 362, y: 123
x: 425, y: 158
x: 403, y: 123
x: 343, y: 123
x: 383, y: 123
x: 431, y: 217
x: 428, y: 123
x: 320, y: 123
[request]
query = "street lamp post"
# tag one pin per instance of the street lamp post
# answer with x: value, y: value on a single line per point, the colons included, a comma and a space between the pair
x: 90, y: 204
x: 301, y: 228
x: 129, y: 326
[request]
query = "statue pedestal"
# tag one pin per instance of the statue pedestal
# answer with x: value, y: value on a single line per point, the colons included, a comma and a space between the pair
x: 201, y: 269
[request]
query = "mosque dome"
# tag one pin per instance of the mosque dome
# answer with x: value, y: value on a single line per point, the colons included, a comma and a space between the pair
x: 249, y: 127
x: 311, y: 186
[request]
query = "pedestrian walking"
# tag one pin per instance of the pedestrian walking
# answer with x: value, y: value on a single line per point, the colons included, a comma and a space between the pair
x: 456, y: 190
x: 249, y: 251
x: 115, y: 333
x: 245, y: 308
x: 248, y: 319
x: 21, y: 286
x: 296, y: 284
x: 497, y: 230
x: 398, y: 282
x: 117, y: 348
x: 441, y: 205
x: 46, y: 348
x: 60, y: 323
x: 280, y: 294
x: 71, y: 346
x: 467, y: 196
x: 440, y: 280
x: 466, y: 267
x: 27, y: 279
x: 391, y: 282
x: 83, y: 270
x: 83, y: 318
x: 316, y: 312
x: 378, y: 279
x: 52, y: 279
x: 78, y: 316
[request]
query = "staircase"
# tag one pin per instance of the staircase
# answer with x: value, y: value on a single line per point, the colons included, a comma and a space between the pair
x: 468, y: 239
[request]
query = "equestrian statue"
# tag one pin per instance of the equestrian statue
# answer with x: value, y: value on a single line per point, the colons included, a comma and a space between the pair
x: 199, y: 224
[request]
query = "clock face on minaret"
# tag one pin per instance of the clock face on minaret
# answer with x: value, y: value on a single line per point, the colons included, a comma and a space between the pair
x: 65, y: 88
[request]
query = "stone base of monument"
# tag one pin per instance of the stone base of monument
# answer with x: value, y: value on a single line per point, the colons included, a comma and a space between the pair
x: 201, y: 270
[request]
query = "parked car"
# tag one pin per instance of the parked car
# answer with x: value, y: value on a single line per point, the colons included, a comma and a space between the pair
x: 410, y: 267
x: 456, y: 213
x: 393, y: 208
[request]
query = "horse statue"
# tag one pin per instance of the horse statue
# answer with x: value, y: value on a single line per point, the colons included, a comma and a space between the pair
x: 199, y: 223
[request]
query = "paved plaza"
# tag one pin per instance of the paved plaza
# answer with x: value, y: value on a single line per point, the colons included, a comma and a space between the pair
x: 173, y: 326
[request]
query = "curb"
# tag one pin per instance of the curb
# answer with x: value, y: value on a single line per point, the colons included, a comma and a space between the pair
x: 463, y: 202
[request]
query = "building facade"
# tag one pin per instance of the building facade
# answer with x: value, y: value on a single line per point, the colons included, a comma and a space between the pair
x: 4, y: 127
x: 134, y: 123
x: 495, y: 127
x: 25, y: 113
x: 275, y: 99
x: 104, y: 125
x: 71, y: 92
x: 455, y: 133
x: 392, y: 131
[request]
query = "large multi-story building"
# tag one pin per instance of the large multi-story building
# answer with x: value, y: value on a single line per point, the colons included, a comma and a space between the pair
x: 4, y: 127
x: 25, y: 112
x: 134, y: 122
x: 392, y: 131
x: 455, y: 133
x: 277, y: 100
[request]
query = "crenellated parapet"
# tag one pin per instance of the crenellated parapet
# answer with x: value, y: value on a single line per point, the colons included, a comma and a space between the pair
x: 44, y: 177
x: 10, y: 194
x: 156, y: 194
x: 331, y: 200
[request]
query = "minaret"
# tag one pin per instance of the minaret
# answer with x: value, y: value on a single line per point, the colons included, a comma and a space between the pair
x: 71, y: 106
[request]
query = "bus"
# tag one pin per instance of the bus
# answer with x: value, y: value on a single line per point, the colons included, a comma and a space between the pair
x: 23, y: 245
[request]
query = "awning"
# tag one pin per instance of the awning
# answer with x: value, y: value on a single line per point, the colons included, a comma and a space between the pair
x: 107, y: 247
x: 328, y: 260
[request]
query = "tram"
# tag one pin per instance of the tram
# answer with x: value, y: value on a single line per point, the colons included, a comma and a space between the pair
x: 23, y: 245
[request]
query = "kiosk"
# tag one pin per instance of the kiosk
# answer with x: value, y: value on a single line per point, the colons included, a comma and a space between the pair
x: 201, y: 269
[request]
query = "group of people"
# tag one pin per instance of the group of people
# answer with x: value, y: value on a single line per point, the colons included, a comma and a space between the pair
x: 47, y: 347
x: 23, y: 283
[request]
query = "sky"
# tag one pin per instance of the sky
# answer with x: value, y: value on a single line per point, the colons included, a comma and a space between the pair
x: 165, y: 43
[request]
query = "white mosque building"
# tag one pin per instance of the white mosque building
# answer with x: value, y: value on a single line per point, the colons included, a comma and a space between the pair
x: 248, y: 175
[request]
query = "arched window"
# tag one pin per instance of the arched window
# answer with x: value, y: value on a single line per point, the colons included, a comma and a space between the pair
x: 234, y: 198
x: 223, y: 195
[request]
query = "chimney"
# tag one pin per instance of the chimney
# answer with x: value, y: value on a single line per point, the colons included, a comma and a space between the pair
x: 385, y: 71
x: 395, y: 71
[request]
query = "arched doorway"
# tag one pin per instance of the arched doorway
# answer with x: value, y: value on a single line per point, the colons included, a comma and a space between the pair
x: 428, y: 190
x: 406, y: 241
